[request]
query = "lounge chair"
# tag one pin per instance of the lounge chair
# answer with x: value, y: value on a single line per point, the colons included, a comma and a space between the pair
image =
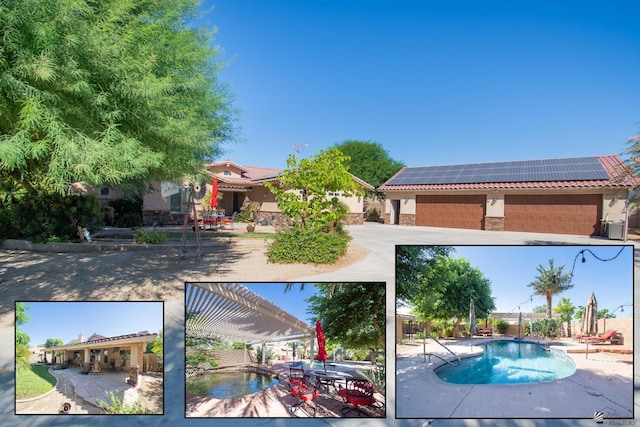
x: 607, y: 336
x: 581, y: 337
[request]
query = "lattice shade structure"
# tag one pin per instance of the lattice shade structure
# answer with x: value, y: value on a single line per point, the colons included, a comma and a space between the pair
x: 231, y: 312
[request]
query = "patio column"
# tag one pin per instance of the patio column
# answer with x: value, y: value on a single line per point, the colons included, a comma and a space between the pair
x: 134, y: 363
x: 87, y: 357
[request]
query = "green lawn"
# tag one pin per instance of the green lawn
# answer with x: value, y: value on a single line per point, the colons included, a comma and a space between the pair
x: 33, y: 382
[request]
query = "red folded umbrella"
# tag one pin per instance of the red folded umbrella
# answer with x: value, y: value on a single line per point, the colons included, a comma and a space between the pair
x: 214, y: 193
x: 322, y: 343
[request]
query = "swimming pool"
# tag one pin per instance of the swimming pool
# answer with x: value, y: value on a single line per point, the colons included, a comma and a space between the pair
x: 227, y: 385
x: 507, y: 362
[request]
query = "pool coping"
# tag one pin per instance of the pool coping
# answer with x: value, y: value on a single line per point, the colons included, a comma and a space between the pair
x: 600, y: 383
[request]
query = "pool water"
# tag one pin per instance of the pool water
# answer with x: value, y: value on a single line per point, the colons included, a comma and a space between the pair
x: 227, y: 385
x: 507, y: 362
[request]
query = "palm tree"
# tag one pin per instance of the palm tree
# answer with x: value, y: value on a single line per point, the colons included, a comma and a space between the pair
x: 549, y: 282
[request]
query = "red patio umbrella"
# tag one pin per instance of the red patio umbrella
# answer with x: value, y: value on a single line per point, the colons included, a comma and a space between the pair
x: 322, y: 344
x: 214, y: 193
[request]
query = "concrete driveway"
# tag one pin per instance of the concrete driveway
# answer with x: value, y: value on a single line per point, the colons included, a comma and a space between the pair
x: 381, y: 241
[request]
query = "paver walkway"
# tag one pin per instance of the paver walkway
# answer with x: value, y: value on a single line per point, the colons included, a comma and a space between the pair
x: 51, y: 403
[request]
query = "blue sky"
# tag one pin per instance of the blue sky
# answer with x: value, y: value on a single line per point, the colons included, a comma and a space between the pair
x: 433, y: 82
x: 511, y: 268
x: 67, y: 320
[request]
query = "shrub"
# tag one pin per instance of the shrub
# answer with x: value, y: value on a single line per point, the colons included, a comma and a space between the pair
x: 268, y: 355
x: 117, y: 406
x: 373, y: 215
x: 501, y: 326
x: 130, y: 220
x: 149, y: 237
x: 7, y: 230
x: 127, y: 211
x: 195, y: 357
x: 45, y: 217
x: 297, y: 245
x: 546, y: 328
x: 358, y: 354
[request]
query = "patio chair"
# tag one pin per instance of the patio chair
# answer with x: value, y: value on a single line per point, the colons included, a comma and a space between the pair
x: 306, y: 392
x: 357, y: 392
x: 229, y: 220
x: 296, y: 377
x: 607, y: 336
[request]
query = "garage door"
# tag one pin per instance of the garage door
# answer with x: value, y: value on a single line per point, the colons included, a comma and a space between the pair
x: 451, y: 211
x: 562, y: 214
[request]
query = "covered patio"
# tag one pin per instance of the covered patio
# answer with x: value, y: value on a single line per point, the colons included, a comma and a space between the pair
x: 123, y: 353
x: 231, y: 312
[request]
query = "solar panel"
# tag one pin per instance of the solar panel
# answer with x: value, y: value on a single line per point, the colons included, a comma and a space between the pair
x: 569, y: 169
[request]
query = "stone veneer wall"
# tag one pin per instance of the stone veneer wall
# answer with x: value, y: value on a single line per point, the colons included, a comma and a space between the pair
x: 494, y: 223
x: 171, y: 218
x: 278, y: 218
x: 405, y: 219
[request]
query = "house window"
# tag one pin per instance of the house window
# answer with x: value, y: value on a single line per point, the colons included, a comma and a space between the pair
x: 106, y: 356
x: 178, y: 201
x: 226, y: 173
x: 104, y: 191
x: 336, y: 194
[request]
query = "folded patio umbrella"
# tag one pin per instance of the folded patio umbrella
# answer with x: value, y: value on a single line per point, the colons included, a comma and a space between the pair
x: 322, y: 345
x: 293, y: 352
x: 472, y: 318
x: 214, y: 193
x: 590, y: 316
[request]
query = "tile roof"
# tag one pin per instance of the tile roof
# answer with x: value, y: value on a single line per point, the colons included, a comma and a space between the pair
x: 258, y: 175
x: 619, y: 176
x: 95, y: 338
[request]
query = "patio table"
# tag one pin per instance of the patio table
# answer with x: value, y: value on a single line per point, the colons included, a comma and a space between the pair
x: 328, y: 378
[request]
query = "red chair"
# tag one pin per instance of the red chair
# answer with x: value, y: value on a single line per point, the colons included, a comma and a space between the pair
x: 306, y: 392
x: 229, y: 220
x: 607, y: 336
x: 357, y: 392
x: 296, y: 377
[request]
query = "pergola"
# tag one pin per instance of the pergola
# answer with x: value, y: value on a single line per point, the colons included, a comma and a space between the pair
x: 231, y: 312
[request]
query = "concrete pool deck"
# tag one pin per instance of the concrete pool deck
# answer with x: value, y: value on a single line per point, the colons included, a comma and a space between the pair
x: 602, y: 382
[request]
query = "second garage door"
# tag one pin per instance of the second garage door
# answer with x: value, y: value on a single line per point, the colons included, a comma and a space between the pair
x: 451, y: 211
x: 562, y: 214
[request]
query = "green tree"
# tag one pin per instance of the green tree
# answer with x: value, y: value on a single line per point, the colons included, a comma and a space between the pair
x: 566, y: 310
x: 368, y: 160
x: 302, y: 193
x: 22, y: 339
x: 158, y: 346
x: 351, y: 313
x: 604, y: 314
x: 540, y: 309
x: 632, y: 162
x: 447, y: 289
x: 413, y: 264
x: 549, y: 282
x: 111, y: 91
x: 53, y: 342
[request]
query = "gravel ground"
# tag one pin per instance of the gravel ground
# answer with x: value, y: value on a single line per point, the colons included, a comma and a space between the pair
x: 139, y: 275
